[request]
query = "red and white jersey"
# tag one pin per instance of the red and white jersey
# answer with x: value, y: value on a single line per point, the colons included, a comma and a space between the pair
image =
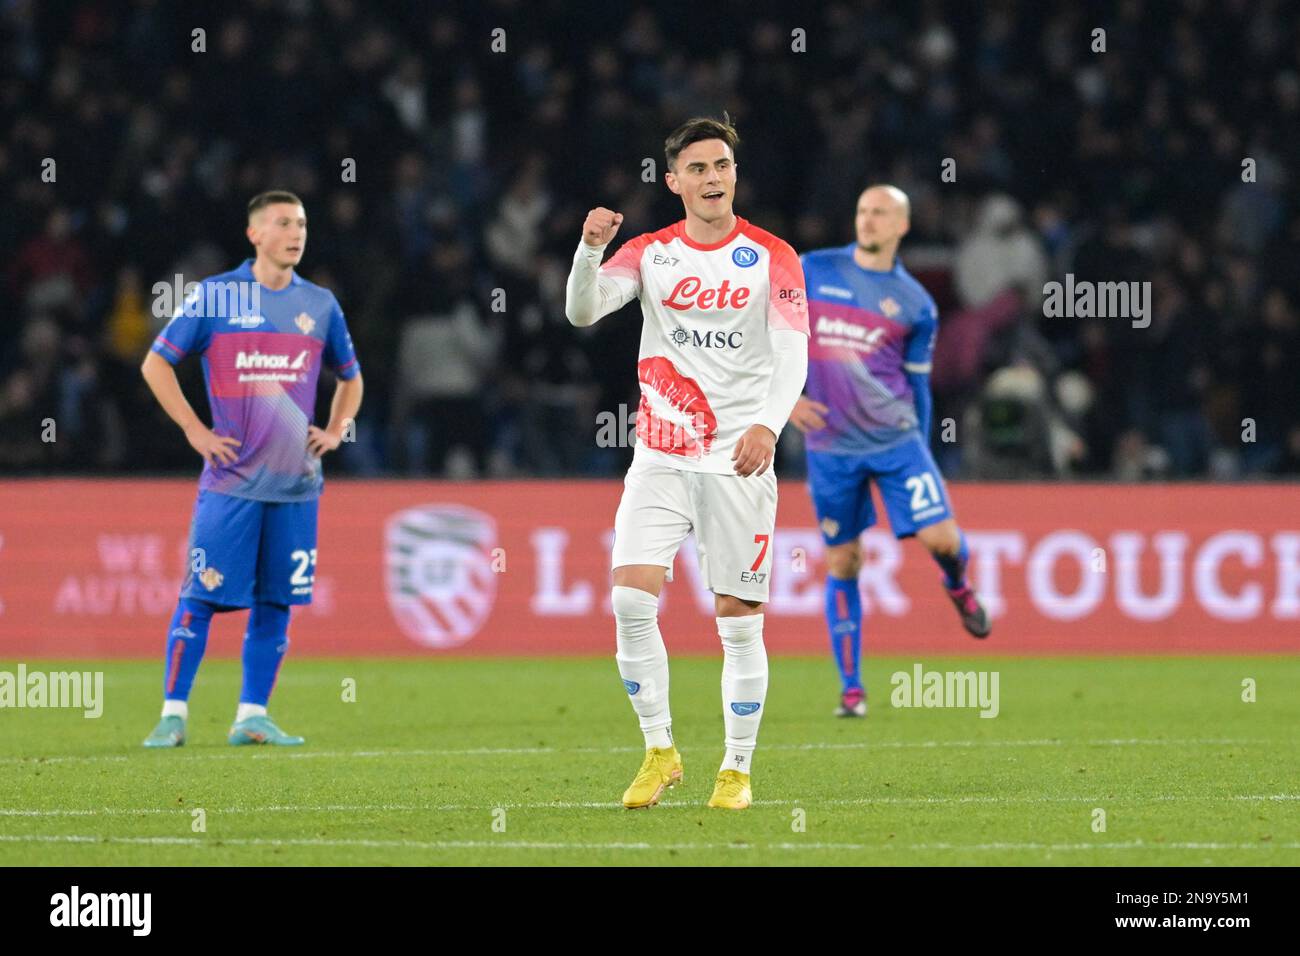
x: 706, y: 359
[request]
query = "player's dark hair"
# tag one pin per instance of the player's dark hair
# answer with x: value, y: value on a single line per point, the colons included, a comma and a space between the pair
x: 699, y: 128
x: 262, y: 200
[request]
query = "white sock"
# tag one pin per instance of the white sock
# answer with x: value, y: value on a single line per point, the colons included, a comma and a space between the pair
x: 744, y: 687
x: 643, y: 662
x: 176, y: 708
x: 249, y: 710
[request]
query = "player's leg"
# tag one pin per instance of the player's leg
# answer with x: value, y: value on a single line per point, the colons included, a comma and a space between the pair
x: 735, y: 521
x: 187, y: 639
x: 286, y: 571
x: 947, y: 545
x: 649, y: 527
x: 219, y: 577
x: 641, y: 654
x: 917, y: 501
x: 265, y: 643
x: 744, y: 694
x: 843, y: 609
x: 841, y: 494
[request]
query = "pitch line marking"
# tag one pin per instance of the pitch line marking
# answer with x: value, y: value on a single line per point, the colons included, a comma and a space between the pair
x: 611, y: 805
x: 540, y: 845
x: 519, y: 751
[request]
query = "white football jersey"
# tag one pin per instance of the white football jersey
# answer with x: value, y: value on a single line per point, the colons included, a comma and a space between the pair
x: 706, y: 360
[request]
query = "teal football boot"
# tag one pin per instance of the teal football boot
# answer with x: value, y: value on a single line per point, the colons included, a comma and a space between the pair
x: 170, y: 732
x: 261, y: 730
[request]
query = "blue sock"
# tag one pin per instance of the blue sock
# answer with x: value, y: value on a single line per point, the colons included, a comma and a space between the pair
x: 844, y: 619
x: 187, y: 639
x: 954, y: 565
x: 264, y: 645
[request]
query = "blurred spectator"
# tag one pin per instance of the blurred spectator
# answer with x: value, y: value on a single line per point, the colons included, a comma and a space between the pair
x: 998, y: 254
x: 444, y: 360
x: 1137, y: 460
x: 1272, y: 391
x: 1013, y: 431
x: 552, y: 396
x: 514, y: 237
x: 1116, y: 168
x: 52, y: 270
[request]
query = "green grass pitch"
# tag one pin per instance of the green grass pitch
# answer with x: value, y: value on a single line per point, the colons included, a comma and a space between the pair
x: 523, y: 762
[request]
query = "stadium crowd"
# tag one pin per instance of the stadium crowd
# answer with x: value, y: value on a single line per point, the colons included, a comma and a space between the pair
x: 1169, y: 157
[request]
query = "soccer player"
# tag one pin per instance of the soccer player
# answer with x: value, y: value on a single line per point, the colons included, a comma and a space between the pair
x: 263, y: 333
x: 724, y: 353
x: 866, y: 416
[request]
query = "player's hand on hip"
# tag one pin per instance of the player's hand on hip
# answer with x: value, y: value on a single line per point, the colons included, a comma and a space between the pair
x: 319, y: 441
x: 217, y: 450
x: 807, y: 415
x: 754, y: 452
x: 601, y: 226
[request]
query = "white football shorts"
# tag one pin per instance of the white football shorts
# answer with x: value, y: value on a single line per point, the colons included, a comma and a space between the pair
x: 733, y: 519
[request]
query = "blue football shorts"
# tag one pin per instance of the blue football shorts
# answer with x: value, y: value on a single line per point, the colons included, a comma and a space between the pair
x: 909, y: 482
x: 242, y: 551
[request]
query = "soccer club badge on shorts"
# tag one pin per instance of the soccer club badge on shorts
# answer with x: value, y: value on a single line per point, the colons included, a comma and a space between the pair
x: 440, y: 577
x: 211, y: 578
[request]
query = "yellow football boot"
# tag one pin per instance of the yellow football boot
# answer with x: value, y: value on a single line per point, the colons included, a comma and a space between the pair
x: 661, y: 769
x: 731, y: 791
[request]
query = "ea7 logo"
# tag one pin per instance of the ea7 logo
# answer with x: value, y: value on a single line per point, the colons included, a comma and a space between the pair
x: 103, y: 909
x: 662, y: 260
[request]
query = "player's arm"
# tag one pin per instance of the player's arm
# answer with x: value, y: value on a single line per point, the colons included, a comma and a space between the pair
x: 918, y: 352
x: 343, y: 409
x: 593, y: 291
x: 339, y: 355
x: 809, y: 414
x: 757, y: 447
x: 185, y: 333
x: 787, y: 330
x: 161, y: 379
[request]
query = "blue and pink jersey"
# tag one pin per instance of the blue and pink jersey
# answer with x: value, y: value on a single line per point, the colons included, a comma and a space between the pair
x: 262, y: 353
x: 868, y: 331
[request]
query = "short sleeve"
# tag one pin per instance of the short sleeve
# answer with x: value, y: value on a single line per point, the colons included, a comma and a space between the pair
x: 919, y: 347
x: 189, y: 330
x: 788, y: 302
x: 339, y: 353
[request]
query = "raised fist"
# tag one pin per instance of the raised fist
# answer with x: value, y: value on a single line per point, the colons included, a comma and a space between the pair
x: 601, y: 226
